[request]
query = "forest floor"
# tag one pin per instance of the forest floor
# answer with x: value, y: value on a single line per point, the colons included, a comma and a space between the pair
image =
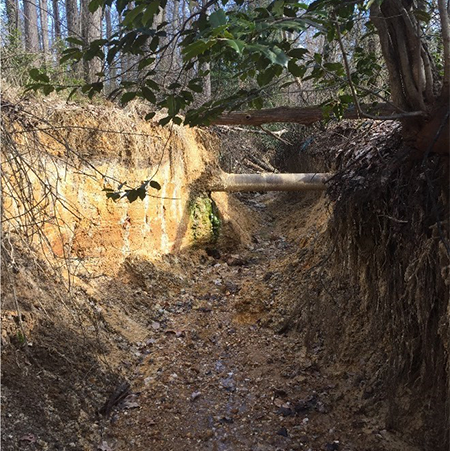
x: 213, y: 376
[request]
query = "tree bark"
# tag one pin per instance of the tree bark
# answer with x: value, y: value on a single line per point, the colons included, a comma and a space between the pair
x: 270, y: 182
x: 12, y: 14
x: 91, y: 30
x: 306, y: 116
x: 445, y: 24
x: 31, y: 26
x: 72, y: 14
x: 112, y: 67
x: 56, y: 20
x: 44, y: 27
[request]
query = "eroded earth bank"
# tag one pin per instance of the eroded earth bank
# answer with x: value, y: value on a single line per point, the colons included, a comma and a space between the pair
x: 198, y: 321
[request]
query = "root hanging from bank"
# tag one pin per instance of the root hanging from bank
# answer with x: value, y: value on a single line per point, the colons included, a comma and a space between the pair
x: 391, y: 229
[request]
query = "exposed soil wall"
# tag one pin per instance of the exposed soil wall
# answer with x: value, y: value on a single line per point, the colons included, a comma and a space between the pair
x: 374, y: 290
x: 78, y: 151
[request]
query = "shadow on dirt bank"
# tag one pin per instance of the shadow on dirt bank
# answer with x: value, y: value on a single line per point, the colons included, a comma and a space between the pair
x: 52, y: 388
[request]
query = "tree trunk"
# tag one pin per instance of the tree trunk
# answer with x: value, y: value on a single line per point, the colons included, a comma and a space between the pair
x: 72, y: 14
x: 306, y: 116
x: 112, y: 67
x: 31, y: 26
x: 91, y: 30
x: 176, y: 56
x: 56, y: 20
x: 412, y: 77
x: 44, y: 28
x: 12, y: 14
x: 207, y: 82
x: 73, y: 30
x: 270, y: 182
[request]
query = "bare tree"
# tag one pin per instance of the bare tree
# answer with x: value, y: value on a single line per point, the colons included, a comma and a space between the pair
x: 56, y: 20
x: 31, y: 26
x: 44, y: 27
x: 72, y: 15
x: 12, y: 14
x: 108, y: 34
x: 91, y: 30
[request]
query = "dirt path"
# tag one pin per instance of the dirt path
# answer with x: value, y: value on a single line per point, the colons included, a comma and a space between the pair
x: 212, y: 377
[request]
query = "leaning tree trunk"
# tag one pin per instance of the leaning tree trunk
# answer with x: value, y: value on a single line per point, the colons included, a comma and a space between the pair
x: 413, y: 79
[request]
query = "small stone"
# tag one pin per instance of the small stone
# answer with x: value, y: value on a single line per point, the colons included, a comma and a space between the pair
x: 195, y: 395
x: 283, y: 432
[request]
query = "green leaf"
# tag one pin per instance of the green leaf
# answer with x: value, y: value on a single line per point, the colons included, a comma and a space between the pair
x: 113, y: 196
x: 131, y: 195
x: 174, y: 86
x: 132, y: 14
x: 76, y: 41
x: 277, y: 56
x: 266, y: 76
x: 154, y: 184
x: 154, y: 44
x: 422, y: 15
x: 144, y: 62
x: 94, y: 5
x: 98, y: 86
x: 150, y: 11
x: 236, y: 44
x: 335, y: 67
x: 298, y: 53
x: 148, y: 94
x: 187, y: 96
x: 127, y: 97
x: 164, y: 121
x: 196, y: 48
x: 34, y: 74
x: 346, y: 98
x: 141, y: 192
x: 152, y: 84
x: 218, y: 18
x: 257, y: 103
x: 296, y: 71
x: 37, y: 75
x: 193, y: 86
x: 48, y: 89
x: 149, y: 116
x: 172, y: 105
x: 177, y: 120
